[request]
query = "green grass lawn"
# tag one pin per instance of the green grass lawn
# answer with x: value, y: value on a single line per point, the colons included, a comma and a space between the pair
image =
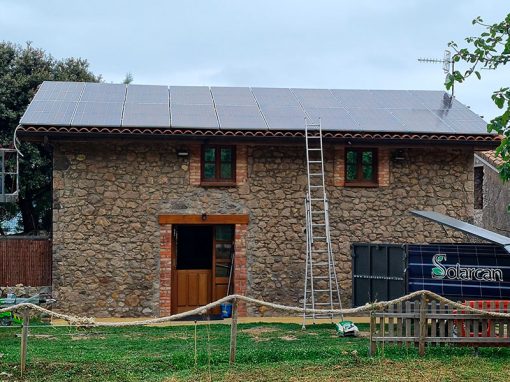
x: 266, y: 352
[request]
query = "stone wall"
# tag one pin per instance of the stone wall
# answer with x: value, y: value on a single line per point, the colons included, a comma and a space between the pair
x: 108, y: 196
x: 494, y: 215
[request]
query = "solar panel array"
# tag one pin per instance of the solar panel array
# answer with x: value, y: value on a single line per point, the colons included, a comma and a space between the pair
x: 242, y: 108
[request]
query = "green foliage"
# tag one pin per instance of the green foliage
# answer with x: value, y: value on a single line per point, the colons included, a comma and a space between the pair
x: 128, y: 79
x: 265, y: 352
x: 22, y: 70
x: 489, y: 50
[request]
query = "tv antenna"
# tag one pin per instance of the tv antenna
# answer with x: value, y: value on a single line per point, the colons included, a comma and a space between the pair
x: 448, y: 64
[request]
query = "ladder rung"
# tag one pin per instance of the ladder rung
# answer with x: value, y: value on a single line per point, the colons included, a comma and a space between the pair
x: 319, y: 250
x: 316, y: 199
x: 320, y: 264
x: 316, y: 174
x: 314, y: 161
x: 316, y: 186
x: 314, y: 149
x: 320, y: 277
x: 318, y: 224
x: 313, y: 136
x: 317, y: 212
x: 319, y: 237
x: 321, y: 290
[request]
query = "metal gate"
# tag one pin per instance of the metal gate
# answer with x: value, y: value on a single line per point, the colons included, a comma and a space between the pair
x: 378, y: 272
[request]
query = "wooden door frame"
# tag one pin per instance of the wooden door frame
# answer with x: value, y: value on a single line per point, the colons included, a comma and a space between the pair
x: 167, y: 276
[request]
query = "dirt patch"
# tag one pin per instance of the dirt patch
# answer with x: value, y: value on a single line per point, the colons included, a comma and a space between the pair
x: 78, y: 337
x: 256, y: 332
x: 288, y: 338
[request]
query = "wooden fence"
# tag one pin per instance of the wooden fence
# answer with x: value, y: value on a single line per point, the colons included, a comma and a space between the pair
x: 25, y: 260
x: 427, y: 321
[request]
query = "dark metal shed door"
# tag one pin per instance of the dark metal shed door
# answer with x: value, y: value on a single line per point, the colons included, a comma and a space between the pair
x: 378, y: 272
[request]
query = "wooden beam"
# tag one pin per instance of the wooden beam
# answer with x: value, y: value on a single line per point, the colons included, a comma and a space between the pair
x: 204, y: 219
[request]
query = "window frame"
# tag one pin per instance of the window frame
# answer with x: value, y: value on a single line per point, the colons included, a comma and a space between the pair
x: 217, y: 180
x: 359, y: 181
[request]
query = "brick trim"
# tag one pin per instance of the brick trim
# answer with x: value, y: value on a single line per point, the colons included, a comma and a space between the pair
x: 383, y: 166
x: 165, y: 268
x: 195, y: 164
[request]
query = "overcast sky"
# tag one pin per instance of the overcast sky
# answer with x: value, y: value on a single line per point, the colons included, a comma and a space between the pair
x: 362, y: 44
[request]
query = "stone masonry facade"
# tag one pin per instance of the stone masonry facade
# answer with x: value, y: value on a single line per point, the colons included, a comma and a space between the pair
x: 112, y: 257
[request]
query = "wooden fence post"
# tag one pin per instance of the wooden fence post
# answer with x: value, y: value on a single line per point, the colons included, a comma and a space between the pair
x: 24, y: 338
x: 373, y: 345
x: 233, y: 333
x: 423, y: 324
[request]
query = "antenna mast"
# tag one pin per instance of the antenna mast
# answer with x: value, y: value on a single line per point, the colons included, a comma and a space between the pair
x: 447, y: 64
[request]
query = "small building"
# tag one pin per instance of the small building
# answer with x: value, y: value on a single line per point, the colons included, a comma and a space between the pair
x: 492, y: 195
x: 156, y: 188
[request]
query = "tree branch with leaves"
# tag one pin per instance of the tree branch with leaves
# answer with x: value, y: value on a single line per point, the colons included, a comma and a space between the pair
x: 489, y: 50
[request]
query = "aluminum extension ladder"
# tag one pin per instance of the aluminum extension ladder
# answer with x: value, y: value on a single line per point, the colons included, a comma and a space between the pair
x: 321, y: 289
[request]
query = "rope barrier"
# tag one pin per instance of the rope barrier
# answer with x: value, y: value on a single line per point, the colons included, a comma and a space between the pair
x: 88, y: 321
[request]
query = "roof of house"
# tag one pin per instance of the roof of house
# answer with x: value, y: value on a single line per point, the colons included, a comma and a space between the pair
x: 78, y: 107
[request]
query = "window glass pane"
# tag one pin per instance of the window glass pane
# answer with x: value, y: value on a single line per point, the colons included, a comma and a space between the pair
x: 351, y: 172
x: 224, y: 232
x: 351, y: 157
x: 223, y: 251
x: 368, y: 172
x: 222, y: 270
x: 209, y: 170
x: 367, y: 157
x: 209, y: 154
x: 226, y: 155
x: 226, y: 171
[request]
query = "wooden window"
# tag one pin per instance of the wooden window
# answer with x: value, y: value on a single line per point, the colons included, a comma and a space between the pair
x: 361, y: 167
x: 218, y: 165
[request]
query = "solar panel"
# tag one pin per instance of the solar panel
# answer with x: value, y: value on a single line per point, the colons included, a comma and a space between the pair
x: 284, y: 118
x: 193, y: 116
x: 456, y: 114
x: 147, y: 94
x: 95, y: 92
x: 233, y: 96
x: 240, y: 117
x: 375, y: 120
x: 336, y: 119
x: 98, y: 114
x: 396, y: 99
x: 56, y: 113
x: 355, y: 98
x: 59, y: 91
x: 190, y: 95
x: 471, y: 229
x: 436, y: 99
x: 421, y: 121
x: 146, y: 115
x: 310, y: 98
x: 272, y: 97
x: 468, y: 127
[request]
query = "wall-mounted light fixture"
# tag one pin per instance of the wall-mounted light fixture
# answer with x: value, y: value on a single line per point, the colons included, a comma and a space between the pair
x: 204, y: 216
x: 399, y: 155
x: 182, y: 152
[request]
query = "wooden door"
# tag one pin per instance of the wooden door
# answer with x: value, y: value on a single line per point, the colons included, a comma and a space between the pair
x: 193, y: 289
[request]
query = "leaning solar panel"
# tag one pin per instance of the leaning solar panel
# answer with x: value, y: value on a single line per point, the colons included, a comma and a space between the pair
x: 146, y: 115
x: 107, y: 114
x: 59, y: 91
x: 55, y: 113
x: 190, y: 95
x: 95, y: 92
x: 147, y: 94
x: 240, y: 117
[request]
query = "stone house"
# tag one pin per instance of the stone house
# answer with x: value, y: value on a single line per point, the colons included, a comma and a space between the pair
x: 492, y: 195
x: 155, y: 187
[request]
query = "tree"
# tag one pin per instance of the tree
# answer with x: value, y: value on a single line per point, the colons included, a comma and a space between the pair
x: 128, y: 79
x: 22, y: 70
x: 489, y: 50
